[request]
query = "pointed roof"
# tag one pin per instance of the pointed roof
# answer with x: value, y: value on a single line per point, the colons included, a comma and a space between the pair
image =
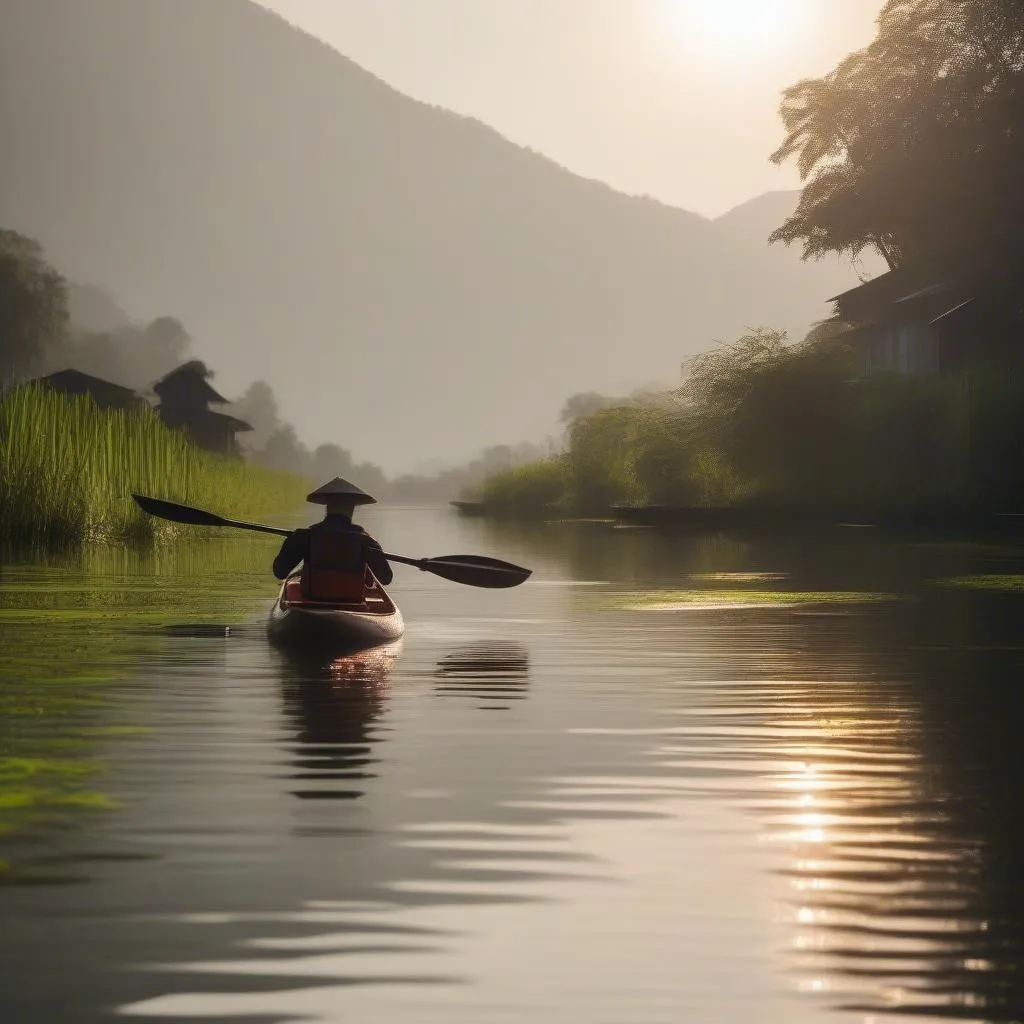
x: 190, y: 377
x: 340, y: 488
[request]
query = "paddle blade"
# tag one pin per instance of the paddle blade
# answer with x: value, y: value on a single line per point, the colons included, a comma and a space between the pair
x: 477, y: 571
x: 175, y: 513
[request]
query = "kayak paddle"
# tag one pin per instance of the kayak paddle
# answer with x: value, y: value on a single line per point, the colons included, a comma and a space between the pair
x: 472, y: 570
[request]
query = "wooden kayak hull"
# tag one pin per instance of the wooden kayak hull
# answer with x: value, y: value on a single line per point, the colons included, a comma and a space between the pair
x: 377, y: 620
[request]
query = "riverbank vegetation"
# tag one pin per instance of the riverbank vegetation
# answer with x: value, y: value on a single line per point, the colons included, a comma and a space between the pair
x: 911, y: 147
x: 68, y: 468
x: 766, y: 422
x: 54, y: 324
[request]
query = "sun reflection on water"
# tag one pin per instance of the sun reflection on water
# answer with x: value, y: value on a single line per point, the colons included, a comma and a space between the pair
x: 872, y: 862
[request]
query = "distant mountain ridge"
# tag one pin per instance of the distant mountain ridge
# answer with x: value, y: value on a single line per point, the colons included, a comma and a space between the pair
x: 413, y: 285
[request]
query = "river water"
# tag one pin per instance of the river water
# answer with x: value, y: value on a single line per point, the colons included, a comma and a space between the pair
x: 668, y: 779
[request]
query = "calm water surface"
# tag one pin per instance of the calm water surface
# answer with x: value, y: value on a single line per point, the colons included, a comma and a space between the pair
x: 666, y: 780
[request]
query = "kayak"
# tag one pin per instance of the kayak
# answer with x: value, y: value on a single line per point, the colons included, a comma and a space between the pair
x: 374, y: 620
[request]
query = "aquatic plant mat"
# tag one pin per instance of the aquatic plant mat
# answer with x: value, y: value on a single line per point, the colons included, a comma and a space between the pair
x: 1012, y: 584
x: 712, y: 599
x: 77, y: 631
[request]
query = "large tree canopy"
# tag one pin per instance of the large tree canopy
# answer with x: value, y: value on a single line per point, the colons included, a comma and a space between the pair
x: 33, y: 305
x: 915, y: 142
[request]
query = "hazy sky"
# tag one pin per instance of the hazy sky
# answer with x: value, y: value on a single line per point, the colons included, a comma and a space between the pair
x: 673, y: 98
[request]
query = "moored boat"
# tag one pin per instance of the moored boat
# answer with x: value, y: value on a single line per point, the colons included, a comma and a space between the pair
x: 375, y: 619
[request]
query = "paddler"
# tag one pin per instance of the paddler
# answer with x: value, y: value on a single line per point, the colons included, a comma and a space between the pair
x: 334, y: 552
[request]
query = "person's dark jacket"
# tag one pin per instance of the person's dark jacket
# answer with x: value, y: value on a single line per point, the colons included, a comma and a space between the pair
x: 295, y: 549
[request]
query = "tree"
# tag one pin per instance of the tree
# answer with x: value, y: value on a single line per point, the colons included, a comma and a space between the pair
x: 129, y: 355
x: 284, y: 451
x: 584, y: 404
x: 258, y: 407
x: 329, y: 461
x: 776, y: 411
x: 717, y: 383
x: 916, y: 142
x: 600, y: 458
x: 169, y: 338
x: 371, y: 478
x: 33, y: 305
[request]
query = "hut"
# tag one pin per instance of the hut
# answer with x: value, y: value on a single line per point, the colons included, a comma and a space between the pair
x: 104, y: 393
x: 938, y: 316
x: 185, y: 396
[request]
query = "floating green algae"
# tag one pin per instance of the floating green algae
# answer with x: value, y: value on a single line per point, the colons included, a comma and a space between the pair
x: 15, y: 770
x: 683, y: 600
x: 116, y: 730
x: 738, y: 577
x: 1007, y: 583
x: 71, y: 627
x: 39, y: 800
x: 36, y: 789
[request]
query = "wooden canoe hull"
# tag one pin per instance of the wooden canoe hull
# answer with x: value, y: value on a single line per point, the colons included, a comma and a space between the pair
x: 377, y: 620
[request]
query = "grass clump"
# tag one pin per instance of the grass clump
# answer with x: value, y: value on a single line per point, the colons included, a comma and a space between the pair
x: 68, y: 468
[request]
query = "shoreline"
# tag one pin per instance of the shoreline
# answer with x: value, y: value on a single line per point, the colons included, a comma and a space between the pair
x: 777, y: 519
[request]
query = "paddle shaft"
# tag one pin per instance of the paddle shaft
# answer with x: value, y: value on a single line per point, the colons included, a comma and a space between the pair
x: 404, y: 559
x: 469, y: 569
x: 216, y: 520
x: 256, y: 527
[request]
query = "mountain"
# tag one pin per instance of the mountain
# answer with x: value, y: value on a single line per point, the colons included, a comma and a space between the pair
x: 757, y: 218
x: 413, y: 285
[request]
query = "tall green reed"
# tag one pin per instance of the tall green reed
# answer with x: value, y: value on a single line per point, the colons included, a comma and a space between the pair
x: 68, y: 468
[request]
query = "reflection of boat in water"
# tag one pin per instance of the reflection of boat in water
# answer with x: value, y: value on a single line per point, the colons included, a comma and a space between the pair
x: 334, y: 704
x: 374, y: 619
x: 492, y: 671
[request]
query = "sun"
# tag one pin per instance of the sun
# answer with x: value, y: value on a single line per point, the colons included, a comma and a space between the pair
x: 720, y: 27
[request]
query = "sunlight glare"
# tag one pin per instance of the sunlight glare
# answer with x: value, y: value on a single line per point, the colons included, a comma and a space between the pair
x: 721, y: 27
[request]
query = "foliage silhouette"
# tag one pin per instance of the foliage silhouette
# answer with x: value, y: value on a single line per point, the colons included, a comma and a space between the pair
x: 915, y: 142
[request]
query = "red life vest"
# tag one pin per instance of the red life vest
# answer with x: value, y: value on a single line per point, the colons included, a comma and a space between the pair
x: 335, y: 568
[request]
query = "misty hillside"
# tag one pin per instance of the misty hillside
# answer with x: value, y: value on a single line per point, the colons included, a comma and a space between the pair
x: 413, y: 285
x: 757, y: 218
x: 91, y: 309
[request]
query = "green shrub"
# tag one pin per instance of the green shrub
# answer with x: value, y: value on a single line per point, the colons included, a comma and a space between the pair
x: 765, y: 421
x: 533, y: 487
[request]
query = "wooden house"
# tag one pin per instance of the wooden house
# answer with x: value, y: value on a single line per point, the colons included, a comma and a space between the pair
x: 185, y: 397
x: 104, y: 393
x: 939, y: 316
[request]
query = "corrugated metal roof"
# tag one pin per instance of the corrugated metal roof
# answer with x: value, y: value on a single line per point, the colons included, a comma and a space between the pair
x: 950, y: 312
x: 932, y: 289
